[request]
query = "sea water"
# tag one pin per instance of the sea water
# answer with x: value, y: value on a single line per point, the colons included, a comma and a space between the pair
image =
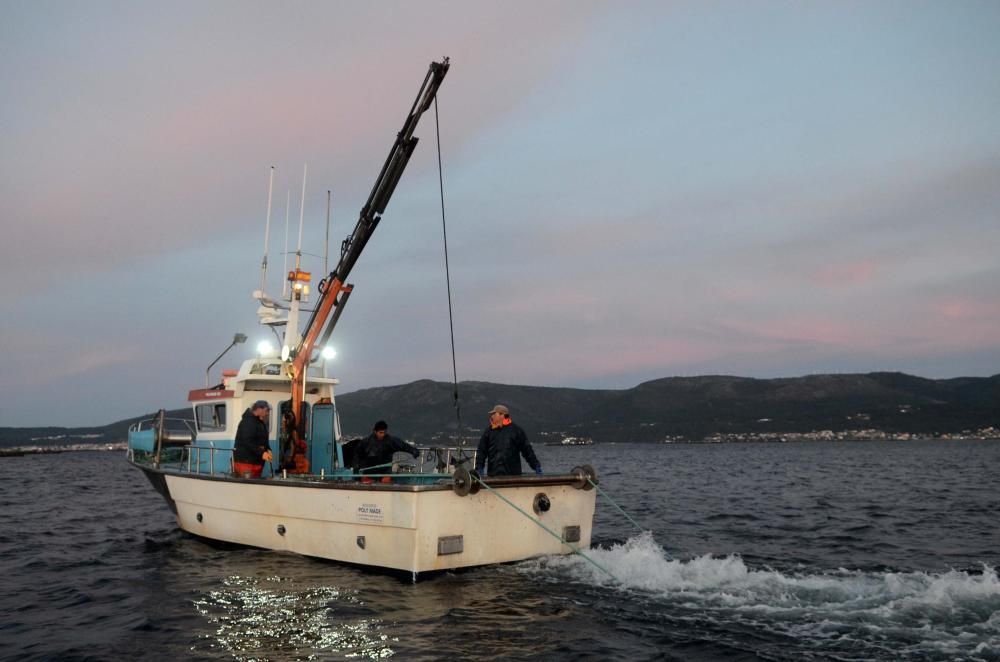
x: 804, y: 551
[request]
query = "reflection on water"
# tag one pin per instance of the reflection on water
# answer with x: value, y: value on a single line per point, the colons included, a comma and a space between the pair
x: 256, y: 619
x: 283, y: 607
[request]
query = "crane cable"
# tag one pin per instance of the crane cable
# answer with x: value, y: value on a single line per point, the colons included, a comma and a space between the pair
x: 447, y: 275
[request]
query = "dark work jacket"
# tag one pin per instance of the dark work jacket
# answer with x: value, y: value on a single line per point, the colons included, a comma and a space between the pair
x: 371, y: 452
x: 502, y: 449
x: 251, y: 440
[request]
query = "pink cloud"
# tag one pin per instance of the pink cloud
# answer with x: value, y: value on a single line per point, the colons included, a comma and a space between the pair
x: 846, y: 274
x: 961, y: 323
x: 554, y: 363
x: 808, y: 329
x: 946, y: 325
x: 741, y: 292
x: 183, y: 159
x: 967, y: 309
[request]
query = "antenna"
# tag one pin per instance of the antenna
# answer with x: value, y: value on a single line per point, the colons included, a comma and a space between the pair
x: 326, y: 247
x: 267, y: 232
x: 288, y: 204
x: 298, y: 288
x: 302, y: 213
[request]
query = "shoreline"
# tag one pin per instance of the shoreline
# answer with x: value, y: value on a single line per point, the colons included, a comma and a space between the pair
x: 18, y: 451
x: 728, y: 438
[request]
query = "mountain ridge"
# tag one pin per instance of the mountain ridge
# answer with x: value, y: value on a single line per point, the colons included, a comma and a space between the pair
x: 663, y: 409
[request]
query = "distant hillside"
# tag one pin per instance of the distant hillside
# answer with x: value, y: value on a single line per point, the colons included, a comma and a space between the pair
x: 692, y: 407
x: 674, y: 407
x: 61, y: 436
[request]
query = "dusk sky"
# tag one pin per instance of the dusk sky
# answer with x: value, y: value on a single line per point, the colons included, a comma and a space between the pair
x: 633, y: 190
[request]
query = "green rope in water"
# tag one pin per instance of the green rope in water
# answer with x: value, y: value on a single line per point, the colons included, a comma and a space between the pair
x: 549, y: 531
x: 608, y: 497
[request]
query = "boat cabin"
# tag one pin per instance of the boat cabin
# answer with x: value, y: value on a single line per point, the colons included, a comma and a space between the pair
x: 218, y: 411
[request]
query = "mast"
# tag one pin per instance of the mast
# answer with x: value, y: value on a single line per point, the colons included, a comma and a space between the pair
x: 267, y: 232
x: 298, y: 280
x: 326, y: 245
x: 334, y: 289
x: 302, y: 206
x: 288, y: 205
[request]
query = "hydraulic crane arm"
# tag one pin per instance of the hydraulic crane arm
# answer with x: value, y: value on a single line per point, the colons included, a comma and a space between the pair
x: 333, y: 290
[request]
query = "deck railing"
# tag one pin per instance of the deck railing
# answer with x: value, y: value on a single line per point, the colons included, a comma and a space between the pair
x: 174, y: 428
x: 205, y: 460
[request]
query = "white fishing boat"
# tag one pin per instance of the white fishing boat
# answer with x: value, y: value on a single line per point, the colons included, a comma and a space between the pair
x: 430, y: 515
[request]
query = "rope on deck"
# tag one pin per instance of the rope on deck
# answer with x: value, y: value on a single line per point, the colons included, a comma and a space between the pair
x: 375, y: 466
x: 363, y: 473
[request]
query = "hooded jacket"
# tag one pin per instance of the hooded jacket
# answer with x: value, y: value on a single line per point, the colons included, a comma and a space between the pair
x: 251, y: 440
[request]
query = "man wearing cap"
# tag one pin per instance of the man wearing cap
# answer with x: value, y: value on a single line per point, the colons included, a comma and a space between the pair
x: 377, y: 449
x: 502, y: 445
x: 251, y: 450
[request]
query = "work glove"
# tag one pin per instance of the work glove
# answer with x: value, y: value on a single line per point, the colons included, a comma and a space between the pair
x: 538, y: 471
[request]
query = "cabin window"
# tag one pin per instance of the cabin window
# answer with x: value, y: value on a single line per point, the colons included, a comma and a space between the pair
x: 211, y: 416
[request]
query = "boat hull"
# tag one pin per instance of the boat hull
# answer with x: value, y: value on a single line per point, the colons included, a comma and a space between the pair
x: 409, y: 528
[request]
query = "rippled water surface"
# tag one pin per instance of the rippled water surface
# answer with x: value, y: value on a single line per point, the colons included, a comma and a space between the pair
x: 846, y: 551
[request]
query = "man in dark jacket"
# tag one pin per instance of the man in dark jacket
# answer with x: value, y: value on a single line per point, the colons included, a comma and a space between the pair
x: 502, y: 445
x: 251, y: 449
x: 377, y: 449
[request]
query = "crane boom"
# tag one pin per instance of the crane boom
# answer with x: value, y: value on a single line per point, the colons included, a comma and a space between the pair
x: 333, y: 290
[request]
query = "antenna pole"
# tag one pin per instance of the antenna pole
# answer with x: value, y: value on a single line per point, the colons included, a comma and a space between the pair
x: 326, y: 248
x: 267, y: 231
x: 302, y: 211
x: 288, y: 204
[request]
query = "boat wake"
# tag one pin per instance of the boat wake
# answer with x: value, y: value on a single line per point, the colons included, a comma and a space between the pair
x: 930, y: 615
